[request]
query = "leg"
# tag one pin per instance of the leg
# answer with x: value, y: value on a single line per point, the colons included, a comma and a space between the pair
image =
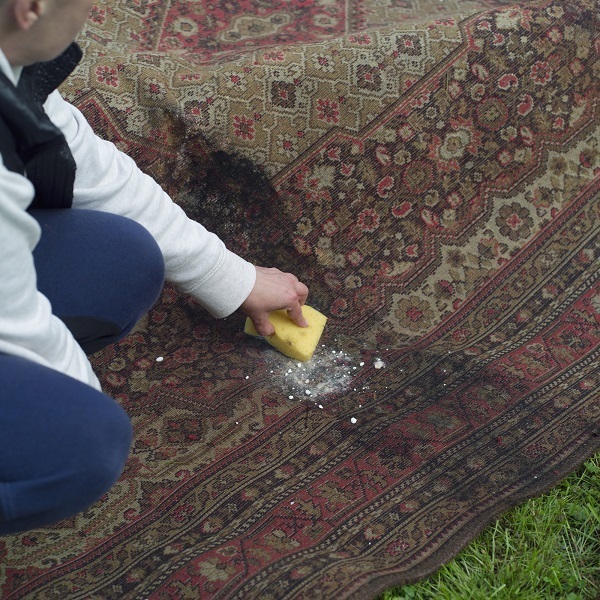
x: 101, y: 272
x: 62, y: 445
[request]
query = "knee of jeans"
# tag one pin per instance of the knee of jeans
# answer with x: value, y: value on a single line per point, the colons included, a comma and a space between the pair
x: 97, y: 457
x: 102, y: 456
x: 110, y: 453
x: 147, y: 259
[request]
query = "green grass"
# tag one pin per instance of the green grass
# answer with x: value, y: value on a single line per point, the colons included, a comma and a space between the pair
x: 546, y: 549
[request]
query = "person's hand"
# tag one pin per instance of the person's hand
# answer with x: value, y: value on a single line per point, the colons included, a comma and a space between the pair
x: 274, y: 290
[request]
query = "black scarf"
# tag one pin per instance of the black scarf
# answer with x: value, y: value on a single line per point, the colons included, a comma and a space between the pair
x: 29, y: 142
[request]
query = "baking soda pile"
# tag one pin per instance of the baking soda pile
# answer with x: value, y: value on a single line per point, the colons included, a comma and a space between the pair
x: 328, y: 372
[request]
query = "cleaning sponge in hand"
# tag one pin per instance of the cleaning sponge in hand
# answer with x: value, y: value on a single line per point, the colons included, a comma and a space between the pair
x: 290, y: 339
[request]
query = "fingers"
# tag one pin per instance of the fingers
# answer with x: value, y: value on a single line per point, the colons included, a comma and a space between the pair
x: 302, y: 291
x: 275, y: 290
x: 262, y: 325
x: 299, y: 293
x: 295, y: 313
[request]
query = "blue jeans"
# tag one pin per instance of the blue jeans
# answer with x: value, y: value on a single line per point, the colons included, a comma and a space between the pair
x: 63, y: 444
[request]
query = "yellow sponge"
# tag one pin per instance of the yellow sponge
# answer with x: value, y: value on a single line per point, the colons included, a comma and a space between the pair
x: 291, y: 340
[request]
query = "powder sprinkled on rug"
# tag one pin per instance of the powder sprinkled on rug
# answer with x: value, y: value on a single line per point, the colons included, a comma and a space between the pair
x: 329, y: 372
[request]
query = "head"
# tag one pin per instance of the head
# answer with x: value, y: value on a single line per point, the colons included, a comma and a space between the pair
x: 39, y: 30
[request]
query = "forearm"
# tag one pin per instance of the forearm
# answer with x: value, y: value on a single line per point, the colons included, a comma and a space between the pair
x: 196, y: 260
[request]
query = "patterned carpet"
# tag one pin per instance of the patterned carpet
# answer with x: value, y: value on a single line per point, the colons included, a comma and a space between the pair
x: 431, y: 170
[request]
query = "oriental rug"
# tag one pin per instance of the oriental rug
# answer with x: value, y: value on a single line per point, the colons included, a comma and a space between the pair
x: 431, y: 170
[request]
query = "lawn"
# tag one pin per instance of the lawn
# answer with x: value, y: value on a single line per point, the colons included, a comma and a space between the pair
x: 546, y: 549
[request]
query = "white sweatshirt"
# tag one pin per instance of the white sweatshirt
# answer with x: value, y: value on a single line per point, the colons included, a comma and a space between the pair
x: 196, y: 260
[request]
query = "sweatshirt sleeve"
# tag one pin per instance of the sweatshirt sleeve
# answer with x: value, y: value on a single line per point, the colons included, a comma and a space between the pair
x: 196, y: 260
x: 27, y: 326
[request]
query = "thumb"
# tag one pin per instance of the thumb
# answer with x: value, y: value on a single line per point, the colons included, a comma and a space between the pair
x: 262, y: 324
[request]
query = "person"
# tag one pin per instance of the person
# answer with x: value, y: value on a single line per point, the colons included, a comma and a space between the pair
x: 86, y: 243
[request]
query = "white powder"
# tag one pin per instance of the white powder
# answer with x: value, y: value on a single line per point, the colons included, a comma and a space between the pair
x: 327, y: 372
